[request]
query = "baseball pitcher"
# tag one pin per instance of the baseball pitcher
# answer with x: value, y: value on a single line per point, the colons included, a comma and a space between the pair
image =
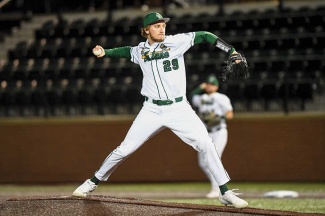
x: 214, y: 109
x: 161, y: 59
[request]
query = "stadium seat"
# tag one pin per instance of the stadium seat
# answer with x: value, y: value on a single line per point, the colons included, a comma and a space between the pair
x: 100, y: 97
x: 315, y: 21
x: 261, y: 66
x: 296, y: 65
x: 85, y: 98
x: 116, y: 98
x: 77, y: 28
x: 298, y: 21
x: 22, y: 97
x: 69, y: 98
x: 287, y: 94
x: 214, y: 25
x: 91, y: 28
x: 54, y: 97
x: 209, y: 68
x: 314, y: 65
x: 248, y: 24
x: 305, y: 43
x: 304, y: 92
x: 6, y: 73
x: 239, y: 46
x: 287, y: 90
x: 279, y: 65
x: 269, y: 93
x: 265, y: 23
x: 8, y: 97
x: 252, y: 45
x: 133, y: 98
x: 251, y: 93
x: 270, y: 44
x: 320, y: 42
x: 20, y: 73
x: 38, y: 98
x: 281, y: 22
x: 135, y: 25
x: 235, y: 91
x: 289, y: 43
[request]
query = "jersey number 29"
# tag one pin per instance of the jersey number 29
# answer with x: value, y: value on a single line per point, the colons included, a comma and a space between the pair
x: 168, y: 65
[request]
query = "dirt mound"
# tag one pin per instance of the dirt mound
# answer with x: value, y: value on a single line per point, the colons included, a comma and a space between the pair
x: 104, y: 205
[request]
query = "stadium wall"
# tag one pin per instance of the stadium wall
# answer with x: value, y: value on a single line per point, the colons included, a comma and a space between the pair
x: 260, y: 148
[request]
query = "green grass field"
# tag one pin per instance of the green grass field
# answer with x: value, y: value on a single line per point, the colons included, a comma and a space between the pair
x: 311, y: 200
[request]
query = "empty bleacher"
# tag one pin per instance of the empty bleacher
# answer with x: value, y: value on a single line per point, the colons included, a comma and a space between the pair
x: 57, y: 74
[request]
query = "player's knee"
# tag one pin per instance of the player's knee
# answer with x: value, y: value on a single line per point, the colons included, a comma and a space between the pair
x: 124, y: 150
x: 205, y: 147
x: 205, y: 143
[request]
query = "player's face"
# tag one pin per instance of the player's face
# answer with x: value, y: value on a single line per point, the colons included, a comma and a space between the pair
x: 211, y: 88
x: 156, y: 32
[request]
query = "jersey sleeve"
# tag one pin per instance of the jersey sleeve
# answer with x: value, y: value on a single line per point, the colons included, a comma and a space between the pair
x: 134, y: 54
x: 183, y: 41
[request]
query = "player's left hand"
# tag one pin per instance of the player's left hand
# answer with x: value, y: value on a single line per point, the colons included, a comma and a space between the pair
x: 236, y: 67
x: 236, y: 60
x: 211, y: 119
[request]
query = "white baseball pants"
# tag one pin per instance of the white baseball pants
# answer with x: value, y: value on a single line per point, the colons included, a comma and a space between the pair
x: 183, y: 121
x: 219, y: 139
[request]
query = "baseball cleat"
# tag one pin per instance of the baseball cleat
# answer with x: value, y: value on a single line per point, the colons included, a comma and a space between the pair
x: 214, y: 193
x: 84, y: 189
x: 230, y: 198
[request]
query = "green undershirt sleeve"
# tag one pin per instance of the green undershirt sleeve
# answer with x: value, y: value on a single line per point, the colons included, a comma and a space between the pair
x: 204, y: 36
x: 208, y: 37
x: 119, y: 52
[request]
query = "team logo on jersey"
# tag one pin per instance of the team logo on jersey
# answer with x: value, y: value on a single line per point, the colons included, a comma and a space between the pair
x: 164, y: 47
x: 207, y: 101
x: 158, y: 54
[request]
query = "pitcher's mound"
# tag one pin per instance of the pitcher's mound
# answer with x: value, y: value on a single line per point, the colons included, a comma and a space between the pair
x: 104, y: 205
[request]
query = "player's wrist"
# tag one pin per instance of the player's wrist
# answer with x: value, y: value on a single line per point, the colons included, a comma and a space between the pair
x: 223, y: 45
x: 232, y: 51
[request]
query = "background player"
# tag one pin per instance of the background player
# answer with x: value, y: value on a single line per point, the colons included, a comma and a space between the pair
x: 214, y: 109
x: 161, y: 59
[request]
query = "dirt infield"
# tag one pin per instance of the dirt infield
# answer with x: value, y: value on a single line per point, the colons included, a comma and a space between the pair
x: 105, y: 205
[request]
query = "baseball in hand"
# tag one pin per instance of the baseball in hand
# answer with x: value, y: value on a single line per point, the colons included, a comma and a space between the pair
x: 97, y: 51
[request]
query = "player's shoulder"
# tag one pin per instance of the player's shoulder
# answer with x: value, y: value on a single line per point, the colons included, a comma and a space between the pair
x: 180, y: 35
x: 141, y: 44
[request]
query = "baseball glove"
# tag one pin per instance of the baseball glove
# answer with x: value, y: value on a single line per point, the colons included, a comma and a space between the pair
x: 235, y: 67
x: 210, y: 119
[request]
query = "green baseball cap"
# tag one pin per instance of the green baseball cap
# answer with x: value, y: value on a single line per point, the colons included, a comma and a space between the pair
x: 153, y: 17
x: 213, y: 80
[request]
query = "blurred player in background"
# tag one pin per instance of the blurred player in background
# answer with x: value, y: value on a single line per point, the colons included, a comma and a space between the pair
x: 214, y: 109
